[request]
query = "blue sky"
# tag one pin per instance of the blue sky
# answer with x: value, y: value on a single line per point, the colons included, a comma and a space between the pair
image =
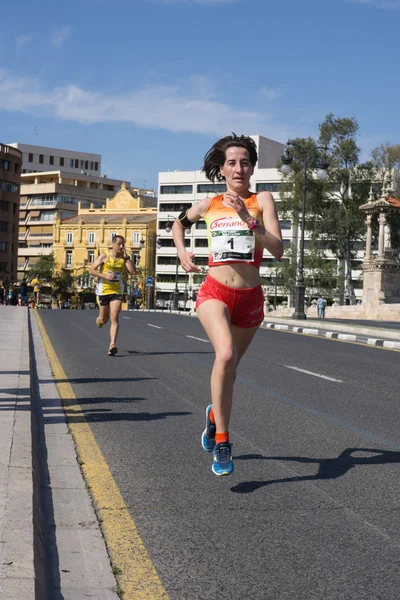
x: 151, y: 84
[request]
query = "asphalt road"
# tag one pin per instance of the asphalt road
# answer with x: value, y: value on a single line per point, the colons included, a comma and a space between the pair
x: 312, y: 510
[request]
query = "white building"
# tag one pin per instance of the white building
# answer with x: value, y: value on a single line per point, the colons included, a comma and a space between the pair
x: 178, y: 190
x: 38, y: 159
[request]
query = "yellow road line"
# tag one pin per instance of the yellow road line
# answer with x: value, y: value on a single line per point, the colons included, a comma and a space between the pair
x: 137, y: 577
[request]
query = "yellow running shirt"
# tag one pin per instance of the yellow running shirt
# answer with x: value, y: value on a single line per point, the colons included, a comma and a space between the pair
x: 117, y: 285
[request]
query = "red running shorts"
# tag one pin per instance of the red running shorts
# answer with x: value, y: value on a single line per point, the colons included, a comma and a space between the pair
x: 246, y: 305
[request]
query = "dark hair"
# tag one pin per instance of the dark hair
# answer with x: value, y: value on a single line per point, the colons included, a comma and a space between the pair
x: 115, y: 237
x: 215, y: 157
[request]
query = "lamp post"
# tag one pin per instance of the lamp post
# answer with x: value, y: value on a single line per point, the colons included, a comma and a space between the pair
x: 175, y: 294
x: 151, y: 245
x: 309, y: 158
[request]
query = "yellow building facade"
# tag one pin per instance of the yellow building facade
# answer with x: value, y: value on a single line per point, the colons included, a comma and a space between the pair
x: 79, y: 240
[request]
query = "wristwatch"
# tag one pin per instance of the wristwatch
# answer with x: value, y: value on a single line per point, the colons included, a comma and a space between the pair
x: 254, y: 224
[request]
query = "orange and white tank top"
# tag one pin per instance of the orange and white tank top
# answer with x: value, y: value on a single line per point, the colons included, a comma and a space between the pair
x: 229, y: 238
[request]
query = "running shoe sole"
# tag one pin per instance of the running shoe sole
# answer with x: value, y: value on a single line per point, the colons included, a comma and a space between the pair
x: 204, y: 437
x: 113, y: 351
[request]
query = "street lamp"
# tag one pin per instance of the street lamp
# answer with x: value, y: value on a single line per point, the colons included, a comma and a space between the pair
x: 175, y: 294
x: 153, y: 242
x: 309, y: 157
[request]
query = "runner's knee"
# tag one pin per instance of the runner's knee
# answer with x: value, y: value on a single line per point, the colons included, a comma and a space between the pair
x: 226, y: 357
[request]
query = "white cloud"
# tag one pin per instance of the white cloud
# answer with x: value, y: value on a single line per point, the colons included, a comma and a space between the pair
x: 271, y: 93
x: 383, y: 4
x: 58, y: 36
x: 188, y: 107
x: 22, y: 41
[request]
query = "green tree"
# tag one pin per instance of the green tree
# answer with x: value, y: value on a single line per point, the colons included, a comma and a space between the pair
x: 332, y: 205
x: 61, y: 281
x: 44, y: 267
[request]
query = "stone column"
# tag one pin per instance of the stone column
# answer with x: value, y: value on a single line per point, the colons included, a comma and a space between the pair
x: 368, y: 249
x: 381, y: 245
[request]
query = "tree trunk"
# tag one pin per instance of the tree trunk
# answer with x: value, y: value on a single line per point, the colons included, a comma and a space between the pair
x: 349, y: 279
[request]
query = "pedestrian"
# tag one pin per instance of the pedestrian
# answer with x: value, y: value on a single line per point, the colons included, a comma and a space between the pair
x: 111, y: 268
x: 230, y: 302
x: 23, y: 290
x: 321, y: 304
x: 2, y: 291
x: 36, y: 283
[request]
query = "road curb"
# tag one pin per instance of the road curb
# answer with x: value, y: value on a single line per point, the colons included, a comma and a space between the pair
x: 336, y: 335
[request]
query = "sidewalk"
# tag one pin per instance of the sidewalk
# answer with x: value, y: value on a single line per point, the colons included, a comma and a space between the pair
x: 17, y: 576
x: 51, y: 545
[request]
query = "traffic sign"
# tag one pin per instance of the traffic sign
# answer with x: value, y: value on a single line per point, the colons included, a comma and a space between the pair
x: 149, y: 281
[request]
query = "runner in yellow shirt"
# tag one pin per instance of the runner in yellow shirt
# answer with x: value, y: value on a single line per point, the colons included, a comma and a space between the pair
x: 111, y: 268
x: 36, y: 284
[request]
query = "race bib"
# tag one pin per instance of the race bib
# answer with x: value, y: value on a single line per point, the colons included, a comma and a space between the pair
x: 117, y: 277
x: 232, y: 244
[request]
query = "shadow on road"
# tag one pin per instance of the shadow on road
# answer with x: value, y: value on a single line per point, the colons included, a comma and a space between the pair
x: 329, y: 468
x: 136, y: 353
x: 97, y: 415
x: 97, y: 379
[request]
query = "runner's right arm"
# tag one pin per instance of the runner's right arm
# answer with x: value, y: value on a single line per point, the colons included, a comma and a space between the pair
x: 193, y: 214
x: 94, y: 268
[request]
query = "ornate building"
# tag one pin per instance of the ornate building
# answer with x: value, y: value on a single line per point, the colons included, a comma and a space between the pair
x: 79, y: 240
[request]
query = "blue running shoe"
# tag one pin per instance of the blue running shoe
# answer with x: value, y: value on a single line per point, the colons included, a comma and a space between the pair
x: 222, y: 459
x: 208, y: 435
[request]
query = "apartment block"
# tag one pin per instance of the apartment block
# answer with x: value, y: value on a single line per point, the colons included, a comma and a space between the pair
x: 10, y: 176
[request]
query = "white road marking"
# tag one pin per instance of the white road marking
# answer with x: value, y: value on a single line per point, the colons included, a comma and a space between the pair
x: 128, y: 318
x: 198, y: 339
x: 155, y: 326
x: 314, y: 374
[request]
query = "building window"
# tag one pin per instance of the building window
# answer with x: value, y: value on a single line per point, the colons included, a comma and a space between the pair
x: 91, y: 237
x: 91, y: 256
x: 201, y: 243
x: 136, y: 238
x: 41, y: 160
x: 7, y: 186
x: 3, y: 225
x: 86, y: 164
x: 3, y: 266
x: 267, y: 187
x: 205, y: 188
x: 68, y: 261
x: 201, y: 225
x: 91, y: 165
x: 112, y: 235
x: 61, y: 161
x: 51, y: 160
x: 285, y: 224
x: 176, y: 189
x: 6, y: 165
x: 96, y: 166
x: 174, y: 206
x: 4, y: 205
x: 69, y: 238
x: 76, y: 163
x: 3, y: 246
x: 71, y: 163
x: 30, y: 157
x: 81, y: 164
